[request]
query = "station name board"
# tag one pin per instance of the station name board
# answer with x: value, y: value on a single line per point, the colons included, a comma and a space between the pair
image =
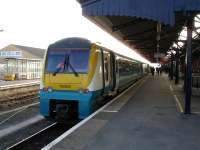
x: 12, y: 54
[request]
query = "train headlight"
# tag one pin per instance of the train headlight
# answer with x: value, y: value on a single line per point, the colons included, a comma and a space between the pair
x: 49, y: 89
x: 83, y: 90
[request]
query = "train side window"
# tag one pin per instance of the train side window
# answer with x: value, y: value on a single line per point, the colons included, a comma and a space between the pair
x: 106, y: 68
x: 116, y: 66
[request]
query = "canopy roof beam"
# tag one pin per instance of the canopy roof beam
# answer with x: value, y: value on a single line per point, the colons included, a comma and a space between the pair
x: 139, y: 33
x: 127, y: 24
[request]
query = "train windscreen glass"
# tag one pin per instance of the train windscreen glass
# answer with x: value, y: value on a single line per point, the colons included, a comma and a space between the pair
x: 67, y: 61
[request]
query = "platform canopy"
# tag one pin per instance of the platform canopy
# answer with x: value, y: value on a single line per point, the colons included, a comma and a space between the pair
x: 135, y: 22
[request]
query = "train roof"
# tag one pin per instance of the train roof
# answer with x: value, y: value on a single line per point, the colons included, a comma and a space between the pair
x: 78, y: 42
x: 73, y: 42
x: 109, y: 50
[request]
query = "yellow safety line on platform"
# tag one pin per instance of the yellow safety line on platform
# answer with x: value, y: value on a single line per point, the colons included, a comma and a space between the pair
x: 196, y: 112
x: 170, y: 87
x: 178, y: 103
x: 179, y: 106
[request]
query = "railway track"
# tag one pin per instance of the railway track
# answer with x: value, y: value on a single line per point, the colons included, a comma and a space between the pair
x: 18, y: 108
x: 22, y: 99
x: 18, y: 94
x: 41, y: 138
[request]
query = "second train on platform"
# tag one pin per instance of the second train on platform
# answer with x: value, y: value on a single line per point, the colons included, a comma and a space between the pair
x: 78, y: 74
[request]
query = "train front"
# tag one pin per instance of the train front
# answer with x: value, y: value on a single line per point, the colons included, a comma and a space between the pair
x: 63, y: 92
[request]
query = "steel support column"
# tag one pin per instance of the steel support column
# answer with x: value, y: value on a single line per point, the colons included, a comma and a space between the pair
x: 177, y: 67
x: 171, y: 68
x: 188, y: 82
x: 158, y: 41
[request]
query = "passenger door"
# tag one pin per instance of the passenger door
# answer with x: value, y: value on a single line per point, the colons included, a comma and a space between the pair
x: 107, y: 71
x: 113, y: 71
x: 116, y: 73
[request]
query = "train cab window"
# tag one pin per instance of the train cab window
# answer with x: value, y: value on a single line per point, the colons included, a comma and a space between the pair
x: 67, y: 61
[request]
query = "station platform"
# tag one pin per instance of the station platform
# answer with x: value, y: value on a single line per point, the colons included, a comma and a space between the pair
x: 7, y: 84
x: 146, y: 117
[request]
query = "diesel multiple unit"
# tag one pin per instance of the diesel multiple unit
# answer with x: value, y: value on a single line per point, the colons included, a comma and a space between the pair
x: 78, y: 74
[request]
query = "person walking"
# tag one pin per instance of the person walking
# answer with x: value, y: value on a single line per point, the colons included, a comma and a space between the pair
x: 152, y: 71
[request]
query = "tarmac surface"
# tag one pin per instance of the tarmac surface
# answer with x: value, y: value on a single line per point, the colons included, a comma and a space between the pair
x: 147, y: 117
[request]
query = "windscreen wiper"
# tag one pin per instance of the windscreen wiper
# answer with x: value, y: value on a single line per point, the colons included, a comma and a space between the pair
x: 74, y: 71
x: 60, y: 67
x: 57, y: 70
x: 68, y: 64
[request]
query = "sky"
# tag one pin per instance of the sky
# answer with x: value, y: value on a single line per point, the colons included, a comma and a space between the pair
x: 38, y: 23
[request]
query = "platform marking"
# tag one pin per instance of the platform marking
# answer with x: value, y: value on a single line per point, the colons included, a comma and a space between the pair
x: 178, y: 103
x: 196, y: 112
x: 180, y: 108
x: 68, y: 132
x: 19, y: 108
x: 112, y: 111
x: 170, y: 87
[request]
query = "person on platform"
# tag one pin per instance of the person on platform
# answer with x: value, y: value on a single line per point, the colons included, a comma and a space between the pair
x: 152, y: 71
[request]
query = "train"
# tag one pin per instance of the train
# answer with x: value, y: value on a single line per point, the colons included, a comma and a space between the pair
x: 77, y: 74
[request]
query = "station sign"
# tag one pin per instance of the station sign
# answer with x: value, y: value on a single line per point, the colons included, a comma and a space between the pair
x: 10, y: 54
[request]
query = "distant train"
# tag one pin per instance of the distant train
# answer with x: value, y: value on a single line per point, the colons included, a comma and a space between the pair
x: 78, y: 73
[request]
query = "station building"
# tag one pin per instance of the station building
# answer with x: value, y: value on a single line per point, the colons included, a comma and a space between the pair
x: 21, y: 62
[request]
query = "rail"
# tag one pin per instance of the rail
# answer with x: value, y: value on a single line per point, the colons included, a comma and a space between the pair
x: 20, y: 143
x: 18, y: 93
